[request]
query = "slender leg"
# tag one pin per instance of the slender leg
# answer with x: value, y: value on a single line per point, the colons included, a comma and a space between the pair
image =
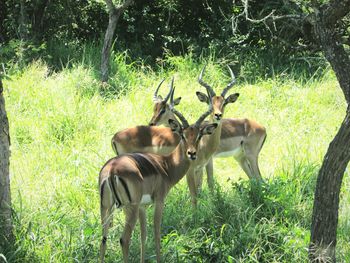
x: 251, y: 155
x: 199, y: 179
x: 190, y: 176
x: 253, y: 161
x: 158, y: 213
x: 210, y: 174
x: 131, y: 214
x: 105, y: 218
x: 143, y: 230
x: 242, y: 160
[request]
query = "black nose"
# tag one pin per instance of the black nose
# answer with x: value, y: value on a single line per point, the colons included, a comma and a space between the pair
x: 218, y: 116
x: 151, y: 124
x: 192, y: 155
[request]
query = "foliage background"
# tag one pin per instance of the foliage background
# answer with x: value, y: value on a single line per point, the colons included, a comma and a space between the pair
x: 151, y: 30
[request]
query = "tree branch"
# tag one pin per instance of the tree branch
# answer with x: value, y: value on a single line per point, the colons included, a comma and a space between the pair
x: 245, y: 3
x: 325, y: 24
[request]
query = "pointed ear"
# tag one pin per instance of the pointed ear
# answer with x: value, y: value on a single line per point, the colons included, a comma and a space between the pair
x: 232, y: 98
x: 209, y: 129
x: 202, y: 97
x: 175, y: 126
x: 177, y: 101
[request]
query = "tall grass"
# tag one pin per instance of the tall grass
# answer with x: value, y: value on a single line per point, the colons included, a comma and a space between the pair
x: 61, y: 123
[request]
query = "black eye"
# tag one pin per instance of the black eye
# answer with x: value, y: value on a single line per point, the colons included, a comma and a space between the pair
x: 162, y: 111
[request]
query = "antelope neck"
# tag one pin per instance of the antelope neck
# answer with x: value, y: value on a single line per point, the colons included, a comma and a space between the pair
x: 215, y: 137
x: 177, y: 163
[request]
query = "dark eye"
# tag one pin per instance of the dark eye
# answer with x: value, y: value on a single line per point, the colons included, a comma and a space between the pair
x: 162, y: 111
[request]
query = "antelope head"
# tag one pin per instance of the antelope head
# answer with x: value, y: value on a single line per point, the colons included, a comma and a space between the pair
x: 190, y: 134
x: 161, y: 110
x: 218, y: 102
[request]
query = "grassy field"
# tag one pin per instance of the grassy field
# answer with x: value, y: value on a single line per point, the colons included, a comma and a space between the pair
x: 61, y: 124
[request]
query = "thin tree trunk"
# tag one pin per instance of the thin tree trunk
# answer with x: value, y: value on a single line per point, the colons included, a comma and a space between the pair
x: 107, y: 44
x: 39, y: 15
x: 114, y: 14
x: 326, y: 203
x: 23, y: 21
x: 5, y: 194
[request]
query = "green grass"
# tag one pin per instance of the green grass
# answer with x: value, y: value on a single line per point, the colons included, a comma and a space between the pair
x: 61, y: 124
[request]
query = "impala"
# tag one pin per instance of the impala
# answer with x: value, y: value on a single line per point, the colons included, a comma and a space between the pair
x: 241, y: 138
x: 150, y: 139
x: 132, y: 181
x: 210, y: 144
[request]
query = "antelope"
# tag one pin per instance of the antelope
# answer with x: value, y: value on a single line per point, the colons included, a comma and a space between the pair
x: 209, y: 144
x: 132, y: 181
x: 241, y: 138
x: 150, y: 139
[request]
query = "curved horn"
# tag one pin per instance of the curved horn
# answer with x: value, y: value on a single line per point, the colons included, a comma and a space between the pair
x: 230, y: 85
x: 178, y: 114
x: 155, y: 95
x: 204, y: 115
x: 207, y: 86
x: 171, y: 88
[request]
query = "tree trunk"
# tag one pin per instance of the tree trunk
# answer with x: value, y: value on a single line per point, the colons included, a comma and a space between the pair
x: 5, y: 194
x: 114, y: 14
x: 326, y: 203
x: 39, y: 15
x: 23, y: 22
x: 107, y: 44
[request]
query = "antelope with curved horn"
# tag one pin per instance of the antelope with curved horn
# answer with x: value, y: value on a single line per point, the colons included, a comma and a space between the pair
x: 211, y: 143
x: 240, y: 138
x: 153, y: 139
x: 161, y: 107
x: 132, y: 181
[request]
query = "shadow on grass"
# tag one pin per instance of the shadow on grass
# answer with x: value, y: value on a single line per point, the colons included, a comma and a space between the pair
x: 243, y: 220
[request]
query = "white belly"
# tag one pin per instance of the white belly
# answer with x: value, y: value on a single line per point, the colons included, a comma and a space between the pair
x: 146, y: 199
x: 235, y: 153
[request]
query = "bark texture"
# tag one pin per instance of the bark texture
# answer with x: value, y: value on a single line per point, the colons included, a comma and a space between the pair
x: 5, y: 194
x: 114, y: 14
x: 326, y: 203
